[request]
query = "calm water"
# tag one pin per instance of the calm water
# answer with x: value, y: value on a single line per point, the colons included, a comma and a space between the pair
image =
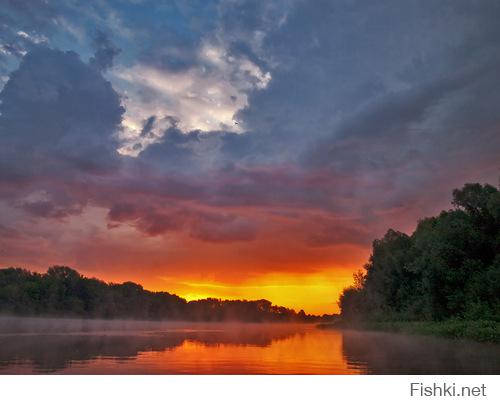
x: 120, y: 347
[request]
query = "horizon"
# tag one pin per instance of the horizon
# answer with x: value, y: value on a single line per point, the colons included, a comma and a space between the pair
x: 237, y: 149
x: 169, y: 292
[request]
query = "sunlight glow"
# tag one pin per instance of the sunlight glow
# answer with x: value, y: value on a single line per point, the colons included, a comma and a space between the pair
x: 316, y: 293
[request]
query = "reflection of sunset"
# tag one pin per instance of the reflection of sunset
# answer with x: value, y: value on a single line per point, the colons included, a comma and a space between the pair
x: 305, y: 350
x: 280, y: 357
x: 138, y: 347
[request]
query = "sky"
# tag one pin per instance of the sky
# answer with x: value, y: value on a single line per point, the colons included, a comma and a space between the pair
x: 233, y: 148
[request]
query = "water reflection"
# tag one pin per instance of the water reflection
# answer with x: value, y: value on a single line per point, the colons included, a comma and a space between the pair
x: 54, y: 345
x: 389, y: 353
x: 115, y: 347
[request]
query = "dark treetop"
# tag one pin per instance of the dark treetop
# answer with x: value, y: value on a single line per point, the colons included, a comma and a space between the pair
x: 448, y: 268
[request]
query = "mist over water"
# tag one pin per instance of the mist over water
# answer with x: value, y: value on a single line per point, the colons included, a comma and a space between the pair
x: 77, y: 346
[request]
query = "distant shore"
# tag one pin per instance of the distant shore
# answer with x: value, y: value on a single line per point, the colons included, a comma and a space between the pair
x: 480, y: 331
x: 63, y: 292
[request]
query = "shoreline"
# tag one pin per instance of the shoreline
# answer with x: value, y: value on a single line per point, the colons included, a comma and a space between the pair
x: 480, y: 331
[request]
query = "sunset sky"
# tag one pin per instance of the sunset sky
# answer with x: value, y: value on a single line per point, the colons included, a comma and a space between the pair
x: 234, y: 148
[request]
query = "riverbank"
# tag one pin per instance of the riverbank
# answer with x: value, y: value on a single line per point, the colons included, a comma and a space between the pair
x: 480, y: 331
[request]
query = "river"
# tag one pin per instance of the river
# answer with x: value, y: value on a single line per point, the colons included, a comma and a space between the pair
x: 59, y: 346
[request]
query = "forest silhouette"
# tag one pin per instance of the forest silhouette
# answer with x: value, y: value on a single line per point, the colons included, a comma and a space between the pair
x: 62, y: 291
x: 448, y: 269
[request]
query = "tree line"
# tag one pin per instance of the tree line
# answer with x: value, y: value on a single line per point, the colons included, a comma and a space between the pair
x: 62, y: 291
x: 449, y: 267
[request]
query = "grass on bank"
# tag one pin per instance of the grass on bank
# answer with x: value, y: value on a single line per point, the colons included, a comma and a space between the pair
x: 480, y: 331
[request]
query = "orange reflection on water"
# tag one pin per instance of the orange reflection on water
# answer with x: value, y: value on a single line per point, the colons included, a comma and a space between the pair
x: 245, y: 349
x: 300, y: 354
x: 40, y: 345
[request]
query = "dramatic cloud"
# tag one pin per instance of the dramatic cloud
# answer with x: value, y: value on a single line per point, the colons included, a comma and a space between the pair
x: 58, y: 113
x: 204, y: 97
x: 58, y: 120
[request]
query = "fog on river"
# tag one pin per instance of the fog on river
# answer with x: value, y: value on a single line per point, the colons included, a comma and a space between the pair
x: 77, y: 346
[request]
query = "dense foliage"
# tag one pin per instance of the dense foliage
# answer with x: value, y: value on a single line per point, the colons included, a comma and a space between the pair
x: 64, y: 292
x: 448, y: 268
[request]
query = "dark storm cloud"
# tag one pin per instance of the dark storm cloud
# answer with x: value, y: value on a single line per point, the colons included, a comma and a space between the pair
x: 332, y: 107
x: 370, y: 108
x: 195, y: 151
x: 105, y: 52
x: 339, y: 61
x: 271, y: 187
x: 172, y: 152
x: 220, y: 228
x: 58, y: 120
x: 386, y: 95
x: 404, y: 120
x: 162, y: 219
x: 146, y: 219
x: 58, y: 114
